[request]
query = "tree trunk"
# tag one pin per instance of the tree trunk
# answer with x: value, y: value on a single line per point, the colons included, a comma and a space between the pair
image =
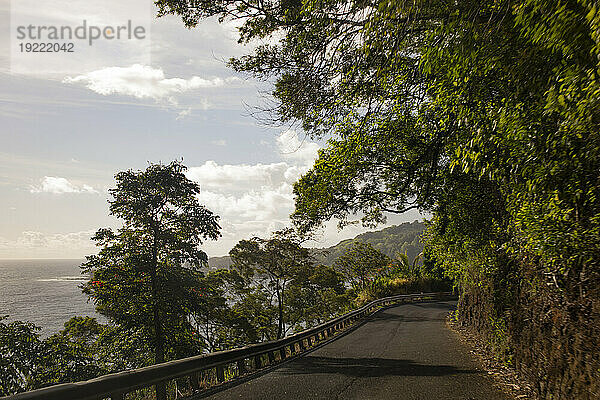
x: 280, y: 310
x: 159, y: 351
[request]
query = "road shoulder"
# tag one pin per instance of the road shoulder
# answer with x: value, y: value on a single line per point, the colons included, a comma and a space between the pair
x: 504, y: 377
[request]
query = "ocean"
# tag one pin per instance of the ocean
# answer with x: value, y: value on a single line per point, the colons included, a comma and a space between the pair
x: 45, y: 292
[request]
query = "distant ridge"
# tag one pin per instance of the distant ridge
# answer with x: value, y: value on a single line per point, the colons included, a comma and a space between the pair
x: 403, y: 238
x: 219, y: 262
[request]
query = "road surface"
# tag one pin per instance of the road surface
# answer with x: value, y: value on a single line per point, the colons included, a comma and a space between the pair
x: 404, y: 352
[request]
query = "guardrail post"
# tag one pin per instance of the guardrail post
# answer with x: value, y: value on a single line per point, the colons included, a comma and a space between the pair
x: 195, y: 381
x: 282, y: 353
x: 220, y: 373
x: 271, y: 356
x: 257, y: 362
x: 301, y: 344
x: 241, y: 366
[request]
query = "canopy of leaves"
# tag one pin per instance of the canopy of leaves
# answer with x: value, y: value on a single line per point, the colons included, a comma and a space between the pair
x: 415, y: 94
x: 19, y: 350
x: 359, y: 263
x: 144, y: 274
x: 273, y: 263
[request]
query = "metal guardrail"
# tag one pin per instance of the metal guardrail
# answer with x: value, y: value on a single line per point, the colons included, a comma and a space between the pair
x: 116, y: 386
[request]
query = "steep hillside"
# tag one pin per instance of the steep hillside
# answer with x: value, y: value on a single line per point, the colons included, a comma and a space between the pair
x: 219, y: 262
x: 403, y: 238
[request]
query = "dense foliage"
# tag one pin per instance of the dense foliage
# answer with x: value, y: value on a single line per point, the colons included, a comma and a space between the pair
x: 19, y: 346
x: 485, y: 114
x: 359, y: 263
x: 144, y: 274
x: 273, y: 265
x: 151, y: 282
x: 78, y: 352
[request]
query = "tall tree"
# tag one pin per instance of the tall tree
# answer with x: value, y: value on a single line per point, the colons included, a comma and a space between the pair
x: 218, y: 324
x: 416, y: 94
x: 272, y: 263
x: 359, y: 262
x: 144, y: 272
x: 316, y: 295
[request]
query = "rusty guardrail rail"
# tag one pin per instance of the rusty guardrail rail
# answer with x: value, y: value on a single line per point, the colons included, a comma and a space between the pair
x: 116, y: 386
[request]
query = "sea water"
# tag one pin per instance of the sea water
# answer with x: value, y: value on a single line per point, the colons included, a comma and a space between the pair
x: 45, y: 292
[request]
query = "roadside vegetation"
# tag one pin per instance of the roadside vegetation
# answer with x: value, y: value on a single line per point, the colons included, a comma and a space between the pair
x: 484, y: 114
x: 149, y: 279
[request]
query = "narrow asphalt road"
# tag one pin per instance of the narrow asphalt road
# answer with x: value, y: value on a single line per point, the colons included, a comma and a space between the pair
x: 404, y: 352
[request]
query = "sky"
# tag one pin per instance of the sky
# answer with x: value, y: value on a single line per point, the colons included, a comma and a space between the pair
x: 69, y: 123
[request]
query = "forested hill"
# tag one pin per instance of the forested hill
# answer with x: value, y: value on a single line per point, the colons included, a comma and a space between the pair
x: 219, y: 262
x: 403, y: 238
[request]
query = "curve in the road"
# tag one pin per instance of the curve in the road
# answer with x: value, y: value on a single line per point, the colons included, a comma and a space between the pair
x: 404, y: 352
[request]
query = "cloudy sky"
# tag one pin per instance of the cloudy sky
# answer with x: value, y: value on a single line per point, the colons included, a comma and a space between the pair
x: 65, y: 134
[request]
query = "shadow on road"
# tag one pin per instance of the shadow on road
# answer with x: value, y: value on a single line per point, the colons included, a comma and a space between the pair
x: 368, y: 367
x: 438, y: 305
x: 389, y: 316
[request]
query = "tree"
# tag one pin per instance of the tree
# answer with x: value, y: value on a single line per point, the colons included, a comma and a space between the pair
x: 255, y: 303
x: 316, y: 295
x: 144, y: 272
x: 273, y: 263
x: 71, y: 355
x: 19, y: 351
x: 218, y: 323
x: 416, y: 94
x: 359, y: 263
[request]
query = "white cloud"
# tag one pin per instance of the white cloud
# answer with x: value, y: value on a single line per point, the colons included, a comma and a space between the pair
x: 142, y: 81
x: 252, y: 199
x: 58, y: 185
x: 35, y: 244
x: 184, y: 113
x: 255, y: 195
x: 292, y: 148
x: 257, y: 199
x: 264, y: 204
x: 211, y: 175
